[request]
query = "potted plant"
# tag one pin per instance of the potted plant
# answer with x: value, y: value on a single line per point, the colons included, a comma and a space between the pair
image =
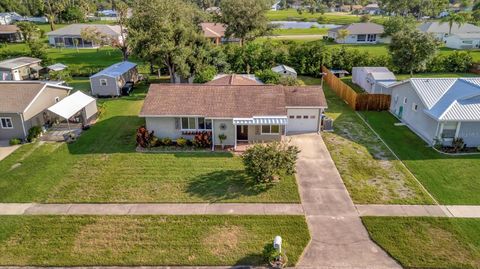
x: 222, y: 138
x: 274, y: 258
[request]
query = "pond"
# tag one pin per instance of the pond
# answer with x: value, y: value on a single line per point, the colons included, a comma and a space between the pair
x: 301, y: 25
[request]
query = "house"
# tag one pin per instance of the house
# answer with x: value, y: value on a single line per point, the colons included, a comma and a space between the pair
x: 439, y: 109
x: 373, y: 80
x: 216, y: 33
x: 21, y: 68
x: 441, y: 30
x: 276, y: 6
x: 235, y: 79
x: 24, y: 104
x: 7, y: 18
x: 463, y: 41
x: 109, y: 82
x: 372, y: 9
x: 64, y: 37
x: 10, y: 34
x: 285, y: 71
x: 359, y: 33
x: 253, y: 113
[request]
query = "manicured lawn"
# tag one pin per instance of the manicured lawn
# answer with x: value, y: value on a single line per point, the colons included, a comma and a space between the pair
x: 428, y: 242
x: 80, y: 83
x: 370, y: 172
x: 308, y: 31
x: 331, y: 18
x: 102, y: 166
x: 146, y: 240
x: 355, y: 87
x: 451, y: 180
x: 436, y: 75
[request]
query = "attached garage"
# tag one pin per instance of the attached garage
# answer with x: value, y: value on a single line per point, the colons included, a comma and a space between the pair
x: 304, y: 120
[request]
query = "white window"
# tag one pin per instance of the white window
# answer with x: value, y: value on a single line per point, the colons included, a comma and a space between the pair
x: 270, y: 129
x: 192, y: 123
x: 414, y: 107
x: 361, y: 38
x: 372, y: 38
x: 305, y: 117
x: 299, y: 117
x: 204, y: 124
x: 449, y: 130
x: 188, y: 123
x: 405, y: 100
x: 57, y: 99
x: 292, y: 117
x: 103, y: 82
x: 313, y: 117
x: 6, y: 123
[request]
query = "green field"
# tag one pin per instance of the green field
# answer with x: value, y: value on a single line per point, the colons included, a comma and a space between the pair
x: 307, y: 31
x: 428, y: 242
x: 451, y: 180
x: 146, y: 240
x: 331, y: 18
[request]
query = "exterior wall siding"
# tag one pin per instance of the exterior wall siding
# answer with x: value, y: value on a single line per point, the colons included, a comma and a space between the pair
x: 418, y: 121
x: 45, y: 100
x: 163, y: 127
x: 255, y: 135
x: 470, y: 132
x: 229, y: 131
x: 16, y: 131
x: 111, y: 89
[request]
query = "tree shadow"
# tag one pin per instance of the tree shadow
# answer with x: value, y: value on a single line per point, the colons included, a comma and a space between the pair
x: 249, y: 260
x: 220, y: 186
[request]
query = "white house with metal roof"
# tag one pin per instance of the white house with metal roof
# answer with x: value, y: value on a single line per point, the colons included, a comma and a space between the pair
x: 441, y: 30
x: 110, y: 81
x: 285, y: 71
x: 463, y: 41
x: 439, y: 109
x: 359, y: 33
x: 374, y: 80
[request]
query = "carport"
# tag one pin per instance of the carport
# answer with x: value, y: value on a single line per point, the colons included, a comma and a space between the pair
x: 78, y: 107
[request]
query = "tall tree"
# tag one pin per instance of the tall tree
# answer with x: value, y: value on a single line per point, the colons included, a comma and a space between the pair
x: 28, y: 30
x: 454, y: 19
x: 165, y: 32
x: 394, y: 24
x: 343, y: 34
x: 412, y: 50
x: 245, y: 19
x: 53, y: 8
x: 122, y: 45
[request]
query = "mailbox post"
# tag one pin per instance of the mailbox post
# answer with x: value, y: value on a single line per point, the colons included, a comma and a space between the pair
x: 277, y: 243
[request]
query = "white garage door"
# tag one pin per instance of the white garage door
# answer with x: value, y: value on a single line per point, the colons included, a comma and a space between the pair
x: 302, y: 120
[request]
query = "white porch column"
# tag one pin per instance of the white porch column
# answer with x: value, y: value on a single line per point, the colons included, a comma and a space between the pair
x: 235, y: 137
x: 457, y: 132
x: 213, y: 136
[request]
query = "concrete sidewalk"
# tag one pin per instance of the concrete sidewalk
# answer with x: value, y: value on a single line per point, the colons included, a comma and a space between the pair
x: 419, y: 211
x: 151, y: 209
x: 339, y: 239
x: 6, y: 149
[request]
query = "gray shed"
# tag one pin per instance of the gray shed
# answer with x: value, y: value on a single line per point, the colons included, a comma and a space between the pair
x: 110, y: 81
x: 285, y: 71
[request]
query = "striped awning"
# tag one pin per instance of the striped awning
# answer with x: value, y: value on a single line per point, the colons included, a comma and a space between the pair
x: 261, y: 121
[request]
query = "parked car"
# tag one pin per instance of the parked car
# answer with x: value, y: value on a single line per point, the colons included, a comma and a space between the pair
x: 127, y: 88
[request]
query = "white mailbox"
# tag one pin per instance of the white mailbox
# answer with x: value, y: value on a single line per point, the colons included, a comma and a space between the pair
x: 277, y: 243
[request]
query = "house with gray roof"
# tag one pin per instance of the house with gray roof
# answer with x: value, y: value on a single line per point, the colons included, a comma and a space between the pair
x: 359, y: 33
x: 463, y: 41
x: 442, y: 30
x: 21, y: 68
x: 110, y: 81
x: 285, y: 71
x: 24, y: 104
x: 71, y: 36
x: 439, y: 109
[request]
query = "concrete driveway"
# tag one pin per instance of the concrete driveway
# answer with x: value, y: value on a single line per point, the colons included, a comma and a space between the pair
x: 6, y: 149
x: 339, y: 239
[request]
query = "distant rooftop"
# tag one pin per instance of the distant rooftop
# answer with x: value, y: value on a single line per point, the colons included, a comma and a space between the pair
x: 76, y: 29
x: 18, y: 62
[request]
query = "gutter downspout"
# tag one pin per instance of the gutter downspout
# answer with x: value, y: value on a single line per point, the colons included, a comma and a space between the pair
x: 213, y: 135
x: 23, y: 125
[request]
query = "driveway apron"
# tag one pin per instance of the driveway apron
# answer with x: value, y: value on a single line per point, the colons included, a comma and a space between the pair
x: 339, y: 239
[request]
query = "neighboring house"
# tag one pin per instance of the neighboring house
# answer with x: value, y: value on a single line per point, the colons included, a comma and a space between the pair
x: 216, y: 33
x: 109, y: 82
x: 463, y: 41
x: 22, y: 68
x: 235, y: 79
x: 6, y: 18
x: 243, y: 113
x: 276, y: 6
x: 372, y: 9
x: 441, y: 30
x: 64, y: 37
x: 373, y: 80
x: 359, y: 33
x: 24, y: 104
x: 10, y: 34
x: 439, y: 109
x: 285, y: 71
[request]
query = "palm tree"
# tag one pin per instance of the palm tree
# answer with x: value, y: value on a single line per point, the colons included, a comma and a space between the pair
x: 454, y: 18
x: 343, y: 34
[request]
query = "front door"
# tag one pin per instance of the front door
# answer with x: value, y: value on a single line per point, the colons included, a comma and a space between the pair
x: 242, y: 132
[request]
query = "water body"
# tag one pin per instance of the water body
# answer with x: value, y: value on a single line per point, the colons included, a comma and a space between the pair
x: 301, y: 25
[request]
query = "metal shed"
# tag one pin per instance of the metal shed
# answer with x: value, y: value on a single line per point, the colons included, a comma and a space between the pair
x: 110, y: 81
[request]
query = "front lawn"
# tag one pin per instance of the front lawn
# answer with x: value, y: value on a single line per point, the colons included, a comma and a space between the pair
x: 451, y: 180
x: 102, y: 166
x: 428, y: 242
x: 146, y: 240
x: 369, y: 170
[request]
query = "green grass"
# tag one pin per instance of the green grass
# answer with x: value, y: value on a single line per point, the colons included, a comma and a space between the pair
x: 146, y: 240
x: 436, y: 75
x: 307, y: 31
x: 331, y: 18
x: 428, y: 242
x: 370, y: 172
x: 102, y: 166
x: 355, y: 87
x: 451, y: 180
x: 80, y: 83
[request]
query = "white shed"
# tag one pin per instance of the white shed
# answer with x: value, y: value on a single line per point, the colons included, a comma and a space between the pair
x: 370, y: 78
x: 285, y: 71
x: 463, y: 41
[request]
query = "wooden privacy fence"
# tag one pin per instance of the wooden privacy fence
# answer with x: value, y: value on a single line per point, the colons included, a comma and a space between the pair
x: 357, y: 101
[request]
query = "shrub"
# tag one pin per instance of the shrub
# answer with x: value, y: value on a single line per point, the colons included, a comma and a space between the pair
x: 15, y: 141
x: 34, y: 133
x: 289, y: 81
x: 154, y: 142
x: 322, y: 19
x: 273, y: 257
x: 458, y: 144
x: 365, y: 18
x: 266, y: 162
x: 267, y: 76
x: 143, y: 137
x: 205, y: 75
x: 166, y: 141
x: 181, y: 142
x: 202, y: 140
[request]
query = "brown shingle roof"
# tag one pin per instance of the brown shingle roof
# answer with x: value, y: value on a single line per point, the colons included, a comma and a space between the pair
x: 233, y: 80
x: 15, y: 97
x: 231, y: 101
x: 8, y: 29
x: 211, y: 29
